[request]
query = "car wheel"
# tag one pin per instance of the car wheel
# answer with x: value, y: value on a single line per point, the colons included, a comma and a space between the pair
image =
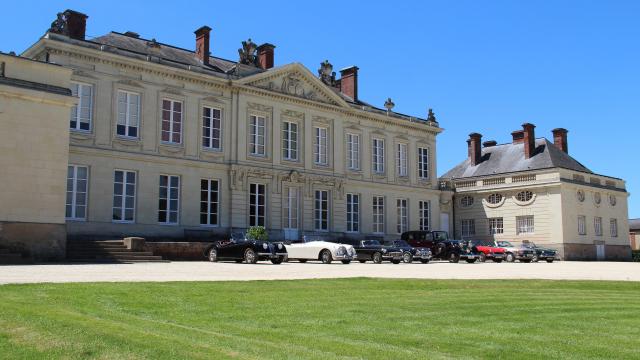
x: 250, y: 256
x: 377, y: 258
x: 454, y: 258
x: 483, y: 257
x: 277, y: 260
x: 424, y: 261
x: 362, y: 261
x: 471, y: 261
x: 510, y: 257
x: 549, y: 261
x: 497, y: 261
x: 302, y: 260
x: 326, y: 257
x: 213, y: 255
x: 407, y: 257
x: 346, y: 262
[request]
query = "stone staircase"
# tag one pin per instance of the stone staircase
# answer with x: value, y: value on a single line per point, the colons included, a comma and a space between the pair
x: 9, y: 258
x: 107, y: 251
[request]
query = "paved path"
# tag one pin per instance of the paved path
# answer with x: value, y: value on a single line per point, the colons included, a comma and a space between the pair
x: 205, y: 271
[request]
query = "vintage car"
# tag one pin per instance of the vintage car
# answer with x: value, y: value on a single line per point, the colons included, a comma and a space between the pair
x: 373, y: 250
x: 238, y: 248
x: 315, y: 248
x: 487, y: 251
x: 410, y: 253
x: 541, y: 253
x: 441, y: 246
x: 513, y: 253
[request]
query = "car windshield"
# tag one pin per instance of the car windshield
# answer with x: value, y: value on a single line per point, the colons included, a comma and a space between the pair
x: 505, y: 244
x: 401, y: 243
x: 370, y: 242
x: 441, y: 235
x: 237, y: 237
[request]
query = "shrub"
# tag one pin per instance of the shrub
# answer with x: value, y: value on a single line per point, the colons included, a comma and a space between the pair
x: 635, y: 254
x: 257, y: 233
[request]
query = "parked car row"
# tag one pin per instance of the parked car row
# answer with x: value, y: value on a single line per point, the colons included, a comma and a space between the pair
x: 422, y: 246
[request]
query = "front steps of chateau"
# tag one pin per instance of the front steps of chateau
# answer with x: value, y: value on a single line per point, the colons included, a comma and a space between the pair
x: 106, y: 251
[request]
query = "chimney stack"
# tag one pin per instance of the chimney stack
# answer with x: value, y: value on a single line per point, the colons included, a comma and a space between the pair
x: 202, y: 44
x: 489, y: 143
x: 265, y: 56
x: 560, y: 139
x: 70, y: 23
x: 349, y: 82
x: 475, y: 151
x: 518, y: 136
x: 529, y: 140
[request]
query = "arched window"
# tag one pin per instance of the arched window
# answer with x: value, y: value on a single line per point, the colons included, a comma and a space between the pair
x: 524, y: 196
x: 494, y: 198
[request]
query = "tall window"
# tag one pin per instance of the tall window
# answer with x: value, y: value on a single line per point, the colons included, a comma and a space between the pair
x: 257, y: 204
x: 124, y: 195
x: 321, y: 210
x: 524, y: 224
x: 82, y: 113
x: 291, y: 208
x: 128, y: 114
x: 401, y: 160
x: 597, y: 225
x: 468, y: 227
x: 378, y: 214
x: 353, y: 212
x: 320, y: 146
x: 257, y: 131
x: 496, y: 226
x: 171, y: 121
x: 582, y: 225
x: 290, y: 140
x: 353, y: 151
x: 211, y: 128
x: 403, y: 215
x: 209, y: 202
x: 424, y: 215
x: 168, y: 201
x: 77, y: 178
x: 378, y: 155
x: 423, y: 163
x: 613, y: 227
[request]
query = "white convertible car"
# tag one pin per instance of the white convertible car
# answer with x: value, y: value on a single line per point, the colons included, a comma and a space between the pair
x: 317, y: 249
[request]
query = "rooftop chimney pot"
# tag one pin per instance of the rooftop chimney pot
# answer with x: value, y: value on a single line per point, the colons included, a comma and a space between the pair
x: 489, y: 143
x: 70, y: 23
x: 560, y: 139
x: 349, y: 82
x: 529, y: 140
x: 475, y: 151
x: 266, y: 56
x: 202, y: 44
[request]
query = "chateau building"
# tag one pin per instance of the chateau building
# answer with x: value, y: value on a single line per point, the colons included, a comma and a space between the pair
x: 165, y: 142
x: 533, y: 190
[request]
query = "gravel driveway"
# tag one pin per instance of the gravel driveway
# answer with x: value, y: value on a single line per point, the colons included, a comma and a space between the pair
x: 206, y: 271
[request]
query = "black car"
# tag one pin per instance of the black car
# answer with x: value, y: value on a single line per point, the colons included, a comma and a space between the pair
x: 373, y: 250
x: 410, y: 253
x: 541, y: 253
x: 441, y: 246
x: 238, y: 248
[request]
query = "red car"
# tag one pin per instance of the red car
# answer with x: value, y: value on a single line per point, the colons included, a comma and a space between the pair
x: 487, y: 251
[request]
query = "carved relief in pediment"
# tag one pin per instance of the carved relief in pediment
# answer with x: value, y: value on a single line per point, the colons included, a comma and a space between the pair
x: 295, y: 84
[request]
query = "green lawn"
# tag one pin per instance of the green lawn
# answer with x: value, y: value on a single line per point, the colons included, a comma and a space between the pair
x: 322, y: 319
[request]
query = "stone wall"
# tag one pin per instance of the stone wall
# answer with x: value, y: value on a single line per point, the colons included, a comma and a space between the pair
x: 178, y: 250
x: 41, y: 242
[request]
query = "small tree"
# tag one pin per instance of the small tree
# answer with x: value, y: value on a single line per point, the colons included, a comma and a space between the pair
x: 257, y: 233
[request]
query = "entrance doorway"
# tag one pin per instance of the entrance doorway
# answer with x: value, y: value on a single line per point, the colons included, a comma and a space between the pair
x: 600, y: 252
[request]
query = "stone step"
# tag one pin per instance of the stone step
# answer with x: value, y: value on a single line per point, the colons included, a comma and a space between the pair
x: 77, y: 253
x: 117, y: 261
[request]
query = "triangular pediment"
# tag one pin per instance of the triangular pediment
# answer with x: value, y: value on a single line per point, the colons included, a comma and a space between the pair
x: 294, y: 80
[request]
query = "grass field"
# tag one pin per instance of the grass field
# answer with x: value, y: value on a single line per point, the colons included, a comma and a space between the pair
x: 322, y: 319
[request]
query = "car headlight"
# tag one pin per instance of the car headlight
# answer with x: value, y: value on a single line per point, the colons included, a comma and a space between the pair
x: 341, y: 250
x: 265, y: 246
x: 384, y: 251
x: 279, y: 246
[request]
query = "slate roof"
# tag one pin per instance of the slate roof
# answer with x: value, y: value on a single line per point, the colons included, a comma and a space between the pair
x: 634, y: 224
x: 509, y: 158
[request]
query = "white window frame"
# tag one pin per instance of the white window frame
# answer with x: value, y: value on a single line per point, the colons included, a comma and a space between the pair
x: 402, y: 152
x: 212, y: 205
x: 377, y: 155
x: 172, y: 113
x: 525, y: 224
x: 168, y: 210
x: 75, y: 191
x: 208, y: 131
x: 467, y: 201
x: 353, y: 151
x: 402, y: 207
x: 257, y: 135
x: 291, y: 208
x: 321, y: 145
x: 423, y: 163
x: 378, y: 214
x: 597, y: 226
x: 77, y: 90
x: 254, y: 203
x: 613, y: 227
x: 321, y: 210
x: 468, y: 227
x: 290, y: 140
x: 496, y: 226
x: 582, y: 225
x: 127, y: 121
x: 121, y: 206
x: 353, y: 213
x: 424, y: 215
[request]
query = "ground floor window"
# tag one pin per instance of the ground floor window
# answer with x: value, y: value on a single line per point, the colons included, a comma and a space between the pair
x: 468, y: 227
x: 582, y: 225
x: 257, y: 204
x: 403, y: 215
x: 496, y: 226
x: 291, y: 208
x: 613, y: 227
x: 169, y: 198
x: 124, y: 195
x: 209, y: 202
x: 77, y: 180
x: 321, y: 210
x: 524, y: 224
x: 353, y: 212
x: 424, y: 215
x: 378, y: 214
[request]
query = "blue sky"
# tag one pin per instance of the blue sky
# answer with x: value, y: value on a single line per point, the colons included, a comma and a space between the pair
x: 482, y: 66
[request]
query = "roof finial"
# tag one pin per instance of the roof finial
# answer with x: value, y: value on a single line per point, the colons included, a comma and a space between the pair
x: 389, y: 105
x: 431, y: 116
